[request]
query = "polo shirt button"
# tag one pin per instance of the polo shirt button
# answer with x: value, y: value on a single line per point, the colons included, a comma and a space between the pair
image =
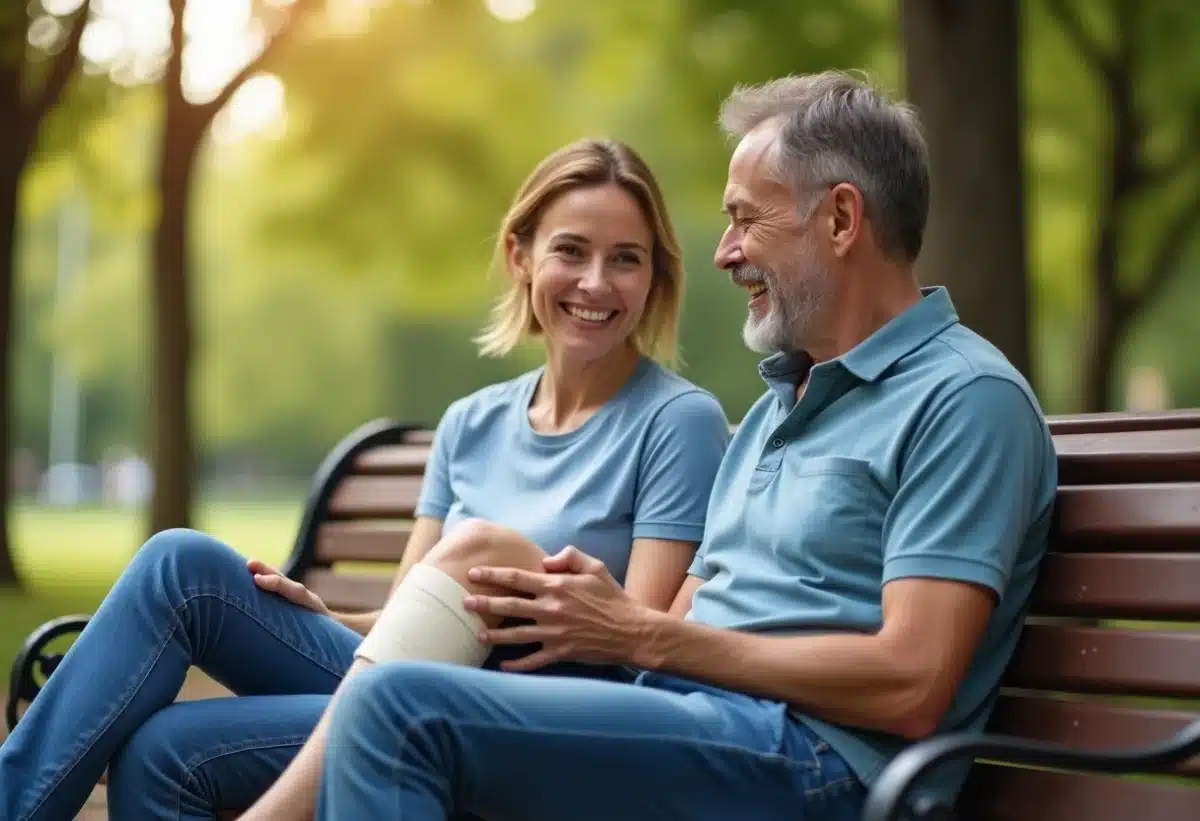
x: 777, y: 442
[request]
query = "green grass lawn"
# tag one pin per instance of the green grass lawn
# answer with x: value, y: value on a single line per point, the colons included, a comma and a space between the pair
x: 68, y: 559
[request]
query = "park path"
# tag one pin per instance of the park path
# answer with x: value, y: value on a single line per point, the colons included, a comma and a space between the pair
x: 198, y: 686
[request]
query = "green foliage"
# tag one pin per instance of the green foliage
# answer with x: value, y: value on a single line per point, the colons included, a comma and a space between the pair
x: 342, y: 270
x: 1069, y: 140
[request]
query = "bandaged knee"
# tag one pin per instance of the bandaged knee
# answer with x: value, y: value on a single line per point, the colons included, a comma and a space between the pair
x: 424, y: 619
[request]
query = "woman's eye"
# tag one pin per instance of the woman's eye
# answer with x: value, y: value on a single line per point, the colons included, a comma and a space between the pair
x: 569, y: 250
x: 628, y: 259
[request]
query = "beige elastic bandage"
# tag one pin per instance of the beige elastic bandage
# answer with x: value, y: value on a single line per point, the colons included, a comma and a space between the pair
x: 424, y: 619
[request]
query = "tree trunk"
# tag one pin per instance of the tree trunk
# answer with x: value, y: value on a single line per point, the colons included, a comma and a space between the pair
x: 172, y: 454
x: 962, y: 66
x: 1102, y: 340
x: 10, y: 183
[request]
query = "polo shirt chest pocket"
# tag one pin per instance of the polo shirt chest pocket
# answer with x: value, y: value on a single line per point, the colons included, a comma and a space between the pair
x: 835, y: 509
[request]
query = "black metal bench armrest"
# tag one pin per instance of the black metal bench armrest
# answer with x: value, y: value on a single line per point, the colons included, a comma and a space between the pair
x: 22, y: 686
x: 887, y: 799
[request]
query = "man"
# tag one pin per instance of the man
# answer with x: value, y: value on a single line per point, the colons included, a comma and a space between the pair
x: 871, y: 542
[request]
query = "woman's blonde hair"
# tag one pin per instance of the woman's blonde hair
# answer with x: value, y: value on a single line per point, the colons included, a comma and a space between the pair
x: 582, y: 164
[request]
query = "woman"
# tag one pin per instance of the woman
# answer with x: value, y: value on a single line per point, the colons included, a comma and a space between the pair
x: 603, y: 448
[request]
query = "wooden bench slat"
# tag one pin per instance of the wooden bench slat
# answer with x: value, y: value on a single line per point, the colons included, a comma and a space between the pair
x: 1107, y: 661
x: 349, y: 591
x: 1154, y: 586
x: 1123, y: 421
x: 1089, y: 725
x: 362, y: 541
x: 365, y: 497
x: 996, y: 793
x: 1154, y: 516
x: 1129, y: 456
x: 396, y: 460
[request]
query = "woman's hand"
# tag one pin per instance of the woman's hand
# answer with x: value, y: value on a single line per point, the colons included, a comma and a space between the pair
x: 579, y: 610
x: 269, y: 579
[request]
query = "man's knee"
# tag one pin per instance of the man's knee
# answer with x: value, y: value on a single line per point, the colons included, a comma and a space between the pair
x: 398, y: 694
x: 476, y: 542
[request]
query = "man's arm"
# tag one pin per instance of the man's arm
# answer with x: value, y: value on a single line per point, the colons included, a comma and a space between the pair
x: 963, y: 505
x: 899, y: 680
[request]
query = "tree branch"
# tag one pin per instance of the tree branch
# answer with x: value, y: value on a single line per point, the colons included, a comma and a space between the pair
x: 1170, y: 253
x: 1091, y: 52
x: 62, y: 69
x: 299, y: 9
x: 1175, y: 165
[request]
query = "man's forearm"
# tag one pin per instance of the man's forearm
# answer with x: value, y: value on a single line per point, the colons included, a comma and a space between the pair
x: 849, y: 679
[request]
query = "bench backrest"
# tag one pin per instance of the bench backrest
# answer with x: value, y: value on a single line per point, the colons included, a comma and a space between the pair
x: 1110, y: 656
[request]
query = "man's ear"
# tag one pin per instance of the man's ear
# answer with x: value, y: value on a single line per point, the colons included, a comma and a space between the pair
x: 516, y: 251
x: 845, y: 218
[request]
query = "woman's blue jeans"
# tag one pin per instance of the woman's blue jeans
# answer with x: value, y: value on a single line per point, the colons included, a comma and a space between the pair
x: 188, y: 600
x: 185, y: 599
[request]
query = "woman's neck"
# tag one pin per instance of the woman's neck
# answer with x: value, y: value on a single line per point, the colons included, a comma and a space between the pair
x: 570, y: 392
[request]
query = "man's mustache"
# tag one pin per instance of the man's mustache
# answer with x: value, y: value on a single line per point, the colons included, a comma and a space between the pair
x: 748, y: 275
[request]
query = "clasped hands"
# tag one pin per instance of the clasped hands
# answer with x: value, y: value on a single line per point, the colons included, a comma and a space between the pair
x: 580, y: 612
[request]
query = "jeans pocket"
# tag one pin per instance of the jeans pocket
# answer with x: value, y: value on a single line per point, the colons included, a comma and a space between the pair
x: 831, y: 790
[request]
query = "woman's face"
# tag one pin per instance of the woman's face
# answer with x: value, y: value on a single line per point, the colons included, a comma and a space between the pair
x: 589, y: 271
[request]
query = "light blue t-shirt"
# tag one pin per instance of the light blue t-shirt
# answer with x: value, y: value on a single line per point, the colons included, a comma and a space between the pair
x: 642, y: 466
x: 921, y: 452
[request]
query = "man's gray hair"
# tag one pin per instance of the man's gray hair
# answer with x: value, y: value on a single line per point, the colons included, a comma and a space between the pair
x: 837, y: 128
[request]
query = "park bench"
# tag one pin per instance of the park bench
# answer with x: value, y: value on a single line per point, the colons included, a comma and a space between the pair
x: 1102, y: 678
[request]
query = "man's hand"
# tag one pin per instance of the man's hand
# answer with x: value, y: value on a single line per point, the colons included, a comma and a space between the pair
x: 269, y: 579
x: 579, y: 610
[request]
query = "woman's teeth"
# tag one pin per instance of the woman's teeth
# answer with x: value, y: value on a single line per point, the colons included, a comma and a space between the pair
x: 589, y: 315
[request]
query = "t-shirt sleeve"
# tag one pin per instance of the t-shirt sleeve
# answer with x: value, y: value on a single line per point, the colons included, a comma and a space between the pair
x: 968, y: 487
x: 679, y: 461
x: 436, y: 495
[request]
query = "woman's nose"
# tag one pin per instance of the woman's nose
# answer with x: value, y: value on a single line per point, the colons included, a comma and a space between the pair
x: 594, y: 276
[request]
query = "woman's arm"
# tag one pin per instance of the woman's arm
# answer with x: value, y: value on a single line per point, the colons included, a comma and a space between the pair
x: 657, y: 569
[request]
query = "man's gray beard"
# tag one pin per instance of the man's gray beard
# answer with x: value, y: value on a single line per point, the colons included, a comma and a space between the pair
x: 791, y: 315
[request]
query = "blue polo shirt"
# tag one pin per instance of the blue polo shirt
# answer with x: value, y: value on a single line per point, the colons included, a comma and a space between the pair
x: 920, y: 452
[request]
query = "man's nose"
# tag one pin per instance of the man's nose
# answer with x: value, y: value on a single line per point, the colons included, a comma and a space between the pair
x: 729, y: 251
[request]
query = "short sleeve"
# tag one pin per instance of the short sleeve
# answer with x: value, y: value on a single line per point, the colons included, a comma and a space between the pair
x: 436, y: 495
x: 969, y: 487
x: 678, y: 464
x: 699, y: 567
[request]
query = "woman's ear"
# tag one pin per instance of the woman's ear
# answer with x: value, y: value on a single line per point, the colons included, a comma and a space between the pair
x: 517, y: 257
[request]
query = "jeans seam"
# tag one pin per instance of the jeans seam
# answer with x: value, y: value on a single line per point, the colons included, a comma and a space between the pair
x: 243, y: 607
x: 792, y: 766
x: 825, y: 790
x: 769, y: 758
x: 200, y: 759
x: 122, y: 702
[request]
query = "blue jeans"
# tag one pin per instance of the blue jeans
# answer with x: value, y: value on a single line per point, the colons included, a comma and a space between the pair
x: 185, y: 599
x: 419, y: 741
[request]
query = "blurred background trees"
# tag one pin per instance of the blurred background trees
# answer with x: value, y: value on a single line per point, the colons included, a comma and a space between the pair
x: 220, y: 270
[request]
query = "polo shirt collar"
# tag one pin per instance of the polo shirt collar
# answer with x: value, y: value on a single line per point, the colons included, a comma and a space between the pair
x: 869, y: 359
